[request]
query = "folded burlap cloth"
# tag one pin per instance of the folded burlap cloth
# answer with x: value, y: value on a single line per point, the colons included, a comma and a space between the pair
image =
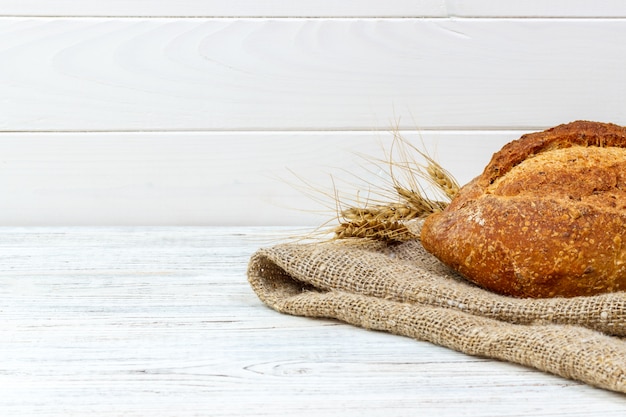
x: 402, y: 289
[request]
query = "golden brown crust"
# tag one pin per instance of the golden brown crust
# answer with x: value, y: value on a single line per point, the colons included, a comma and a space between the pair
x: 546, y: 218
x: 581, y: 133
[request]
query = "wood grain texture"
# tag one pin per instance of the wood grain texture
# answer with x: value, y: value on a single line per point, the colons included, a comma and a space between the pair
x: 307, y: 74
x: 221, y: 8
x: 236, y: 178
x: 316, y: 8
x: 536, y: 8
x: 162, y: 322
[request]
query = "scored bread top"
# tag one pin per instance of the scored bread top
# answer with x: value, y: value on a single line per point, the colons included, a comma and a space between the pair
x: 581, y: 132
x: 590, y: 175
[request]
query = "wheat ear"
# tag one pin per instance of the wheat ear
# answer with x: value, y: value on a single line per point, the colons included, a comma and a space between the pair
x: 442, y: 179
x: 385, y: 231
x: 388, y: 221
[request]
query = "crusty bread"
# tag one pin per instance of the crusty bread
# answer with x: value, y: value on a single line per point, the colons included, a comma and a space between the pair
x: 547, y: 217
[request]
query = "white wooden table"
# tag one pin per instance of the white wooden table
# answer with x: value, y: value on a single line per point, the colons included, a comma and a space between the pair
x: 162, y: 322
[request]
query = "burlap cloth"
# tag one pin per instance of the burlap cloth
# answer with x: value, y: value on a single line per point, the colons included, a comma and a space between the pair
x: 402, y: 289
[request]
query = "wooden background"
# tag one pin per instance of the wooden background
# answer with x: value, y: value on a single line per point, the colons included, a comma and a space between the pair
x: 197, y: 112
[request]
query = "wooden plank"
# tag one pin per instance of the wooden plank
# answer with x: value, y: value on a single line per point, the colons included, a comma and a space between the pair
x: 161, y: 322
x: 301, y: 74
x: 206, y: 178
x: 537, y: 8
x: 319, y: 8
x: 219, y: 8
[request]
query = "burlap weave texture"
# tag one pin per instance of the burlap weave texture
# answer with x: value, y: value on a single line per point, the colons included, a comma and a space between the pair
x: 402, y: 289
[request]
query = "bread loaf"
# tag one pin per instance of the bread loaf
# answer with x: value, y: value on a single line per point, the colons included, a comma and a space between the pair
x: 546, y: 218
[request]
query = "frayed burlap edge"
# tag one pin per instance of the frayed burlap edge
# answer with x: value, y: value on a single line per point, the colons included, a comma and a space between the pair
x: 403, y: 290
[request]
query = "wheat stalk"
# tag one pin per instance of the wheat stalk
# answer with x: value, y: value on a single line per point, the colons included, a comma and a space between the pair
x: 423, y: 206
x: 386, y: 231
x: 444, y: 180
x: 388, y: 221
x: 386, y: 213
x: 388, y: 209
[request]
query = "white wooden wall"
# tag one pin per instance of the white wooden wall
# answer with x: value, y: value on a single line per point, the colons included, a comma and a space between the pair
x: 196, y: 111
